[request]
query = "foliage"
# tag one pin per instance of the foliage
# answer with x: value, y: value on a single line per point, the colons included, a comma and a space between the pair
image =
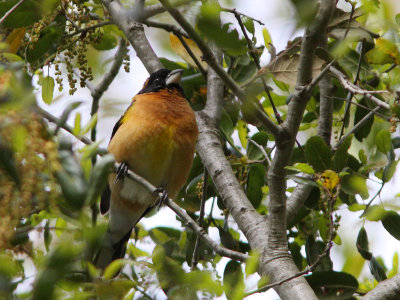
x: 49, y: 189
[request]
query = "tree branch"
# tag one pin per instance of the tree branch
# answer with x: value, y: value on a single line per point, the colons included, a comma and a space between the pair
x: 357, y: 90
x: 128, y: 22
x: 388, y: 289
x: 296, y: 201
x: 325, y: 106
x: 276, y: 245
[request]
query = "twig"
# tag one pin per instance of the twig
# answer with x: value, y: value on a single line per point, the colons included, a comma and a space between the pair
x: 86, y: 29
x: 261, y: 148
x: 357, y: 126
x: 234, y: 11
x: 167, y: 27
x: 390, y: 68
x: 201, y: 219
x: 376, y: 195
x: 10, y: 11
x: 350, y: 94
x: 357, y: 90
x: 168, y: 202
x: 66, y: 127
x: 210, y: 59
x: 362, y: 106
x: 190, y: 52
x: 152, y: 10
x: 318, y: 78
x: 257, y: 62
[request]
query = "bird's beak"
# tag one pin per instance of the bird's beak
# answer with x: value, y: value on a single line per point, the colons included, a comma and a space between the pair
x: 174, y: 77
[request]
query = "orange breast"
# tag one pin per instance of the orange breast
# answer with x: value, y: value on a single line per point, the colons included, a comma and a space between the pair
x: 157, y: 139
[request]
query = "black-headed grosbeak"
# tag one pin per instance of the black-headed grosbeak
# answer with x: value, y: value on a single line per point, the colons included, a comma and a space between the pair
x: 155, y: 138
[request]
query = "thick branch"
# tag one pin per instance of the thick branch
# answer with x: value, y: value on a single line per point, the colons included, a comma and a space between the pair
x: 128, y: 22
x: 388, y: 289
x: 212, y: 62
x: 277, y: 241
x: 325, y: 106
x: 296, y: 201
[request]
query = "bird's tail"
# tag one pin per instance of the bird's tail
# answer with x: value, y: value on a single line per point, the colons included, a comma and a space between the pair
x: 111, y: 251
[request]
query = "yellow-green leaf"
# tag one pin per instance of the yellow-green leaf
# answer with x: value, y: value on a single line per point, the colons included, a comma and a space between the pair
x: 47, y: 89
x: 385, y: 52
x: 242, y: 131
x: 267, y: 37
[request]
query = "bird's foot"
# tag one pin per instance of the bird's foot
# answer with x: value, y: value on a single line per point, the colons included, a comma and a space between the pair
x: 161, y: 198
x: 122, y: 170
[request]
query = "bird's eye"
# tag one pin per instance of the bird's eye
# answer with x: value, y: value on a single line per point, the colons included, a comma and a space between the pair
x: 157, y: 81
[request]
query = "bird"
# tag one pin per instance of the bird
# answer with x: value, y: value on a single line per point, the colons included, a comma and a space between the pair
x: 156, y: 139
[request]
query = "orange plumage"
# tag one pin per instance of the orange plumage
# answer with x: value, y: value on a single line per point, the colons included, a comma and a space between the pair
x: 156, y: 139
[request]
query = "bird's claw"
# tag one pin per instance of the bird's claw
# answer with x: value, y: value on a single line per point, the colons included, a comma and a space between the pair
x: 161, y: 198
x: 122, y: 170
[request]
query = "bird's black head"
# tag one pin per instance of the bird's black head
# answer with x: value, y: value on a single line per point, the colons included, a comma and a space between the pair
x: 162, y: 79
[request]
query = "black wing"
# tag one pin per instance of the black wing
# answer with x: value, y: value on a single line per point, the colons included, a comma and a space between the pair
x: 106, y: 196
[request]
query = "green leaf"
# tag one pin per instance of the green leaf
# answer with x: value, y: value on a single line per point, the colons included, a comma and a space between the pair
x: 233, y: 277
x: 313, y: 250
x: 391, y: 222
x: 318, y: 154
x: 354, y: 184
x: 375, y: 213
x: 92, y: 123
x: 253, y: 152
x: 77, y: 124
x: 209, y: 24
x: 255, y: 182
x: 249, y: 24
x: 252, y: 263
x: 60, y: 225
x: 25, y: 15
x: 226, y: 124
x: 46, y: 43
x: 383, y: 141
x: 47, y: 89
x: 377, y: 269
x: 113, y: 268
x: 108, y: 39
x: 327, y: 284
x: 71, y: 179
x: 360, y: 113
x: 340, y: 157
x: 362, y: 244
x: 301, y: 167
x: 47, y: 236
x: 397, y: 18
x: 361, y: 155
x: 389, y: 171
x: 98, y: 177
